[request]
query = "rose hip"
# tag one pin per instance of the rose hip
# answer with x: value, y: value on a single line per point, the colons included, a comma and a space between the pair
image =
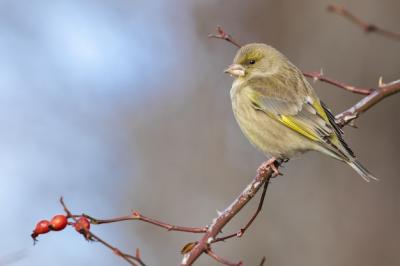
x: 58, y: 222
x: 42, y: 227
x: 82, y: 225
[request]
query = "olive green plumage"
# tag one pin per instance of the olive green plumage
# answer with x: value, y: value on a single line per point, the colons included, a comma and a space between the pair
x: 278, y: 110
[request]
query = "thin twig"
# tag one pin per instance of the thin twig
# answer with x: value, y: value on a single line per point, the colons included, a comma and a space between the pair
x: 241, y: 232
x: 367, y: 27
x: 221, y: 34
x: 376, y: 95
x: 223, y: 261
x: 132, y: 260
x: 136, y: 216
x: 319, y: 76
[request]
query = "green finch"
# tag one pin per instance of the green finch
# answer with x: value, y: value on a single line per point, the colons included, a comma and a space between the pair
x: 280, y: 113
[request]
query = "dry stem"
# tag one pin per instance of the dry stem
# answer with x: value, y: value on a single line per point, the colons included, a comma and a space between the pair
x: 367, y: 27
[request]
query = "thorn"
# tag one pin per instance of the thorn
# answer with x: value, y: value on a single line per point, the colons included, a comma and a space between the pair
x: 138, y: 253
x: 135, y: 215
x: 353, y: 124
x: 380, y: 82
x: 219, y: 212
x: 117, y: 252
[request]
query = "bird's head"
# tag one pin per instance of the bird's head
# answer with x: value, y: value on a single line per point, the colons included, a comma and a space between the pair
x: 255, y: 59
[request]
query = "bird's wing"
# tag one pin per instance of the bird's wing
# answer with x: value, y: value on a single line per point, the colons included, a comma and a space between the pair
x: 290, y: 103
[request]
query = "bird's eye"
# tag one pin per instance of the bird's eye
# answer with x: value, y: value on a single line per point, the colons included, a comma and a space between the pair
x: 252, y: 62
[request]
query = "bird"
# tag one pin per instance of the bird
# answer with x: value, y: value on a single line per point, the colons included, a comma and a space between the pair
x: 280, y: 113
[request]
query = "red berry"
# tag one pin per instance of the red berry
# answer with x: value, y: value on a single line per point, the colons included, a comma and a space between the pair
x: 82, y: 225
x: 58, y: 222
x: 42, y: 227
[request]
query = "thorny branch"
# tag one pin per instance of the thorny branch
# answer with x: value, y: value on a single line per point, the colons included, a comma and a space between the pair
x: 135, y: 216
x: 367, y: 27
x: 132, y: 260
x: 241, y: 232
x: 319, y: 76
x: 375, y: 96
x: 140, y: 217
x: 263, y: 176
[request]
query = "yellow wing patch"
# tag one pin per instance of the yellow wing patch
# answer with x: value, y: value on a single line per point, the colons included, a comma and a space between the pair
x: 320, y: 110
x: 297, y: 124
x: 298, y: 127
x: 317, y: 106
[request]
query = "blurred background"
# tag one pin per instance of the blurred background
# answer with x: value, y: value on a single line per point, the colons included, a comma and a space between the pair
x: 122, y: 105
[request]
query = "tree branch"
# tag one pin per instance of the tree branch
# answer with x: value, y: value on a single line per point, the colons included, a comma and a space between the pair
x: 221, y: 34
x: 136, y: 216
x: 241, y: 232
x: 319, y: 76
x: 375, y: 96
x: 223, y: 261
x: 263, y: 175
x: 367, y: 27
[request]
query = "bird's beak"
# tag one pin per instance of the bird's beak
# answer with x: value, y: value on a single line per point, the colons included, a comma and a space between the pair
x: 235, y: 70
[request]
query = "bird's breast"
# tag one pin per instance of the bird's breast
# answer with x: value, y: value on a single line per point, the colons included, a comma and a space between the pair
x: 262, y: 130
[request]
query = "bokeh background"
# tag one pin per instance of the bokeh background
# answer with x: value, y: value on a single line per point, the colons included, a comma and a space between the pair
x: 122, y: 105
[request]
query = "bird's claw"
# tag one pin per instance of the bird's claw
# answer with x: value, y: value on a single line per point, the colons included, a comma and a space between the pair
x: 271, y: 163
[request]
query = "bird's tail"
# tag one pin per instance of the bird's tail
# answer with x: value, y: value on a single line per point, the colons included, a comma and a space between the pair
x: 361, y: 170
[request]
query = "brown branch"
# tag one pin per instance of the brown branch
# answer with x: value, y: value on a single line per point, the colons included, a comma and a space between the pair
x: 263, y: 175
x: 136, y: 216
x: 367, y: 27
x: 319, y: 76
x: 376, y: 95
x: 241, y: 232
x: 221, y: 34
x: 132, y: 260
x: 223, y: 261
x: 373, y: 96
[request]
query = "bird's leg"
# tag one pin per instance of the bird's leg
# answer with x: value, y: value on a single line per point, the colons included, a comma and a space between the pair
x: 272, y: 163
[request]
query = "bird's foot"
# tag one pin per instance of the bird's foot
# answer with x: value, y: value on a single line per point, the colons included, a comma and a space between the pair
x: 272, y: 163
